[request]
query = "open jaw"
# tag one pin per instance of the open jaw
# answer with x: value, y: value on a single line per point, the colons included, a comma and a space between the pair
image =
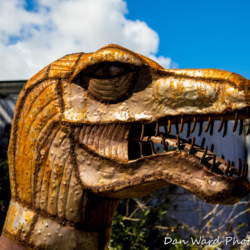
x: 125, y: 163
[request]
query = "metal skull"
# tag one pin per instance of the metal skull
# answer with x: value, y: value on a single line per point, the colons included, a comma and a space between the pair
x: 83, y: 137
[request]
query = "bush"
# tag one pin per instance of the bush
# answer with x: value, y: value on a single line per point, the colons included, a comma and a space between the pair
x: 4, y: 175
x: 137, y: 224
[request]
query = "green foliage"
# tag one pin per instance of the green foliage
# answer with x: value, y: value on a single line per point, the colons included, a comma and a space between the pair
x: 143, y: 224
x: 4, y: 183
x: 137, y: 224
x: 127, y: 234
x: 240, y: 225
x: 4, y: 175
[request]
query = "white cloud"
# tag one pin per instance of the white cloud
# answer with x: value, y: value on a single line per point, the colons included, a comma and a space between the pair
x: 165, y: 62
x: 29, y: 40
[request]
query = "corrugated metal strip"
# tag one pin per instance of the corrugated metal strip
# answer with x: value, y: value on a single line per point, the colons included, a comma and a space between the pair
x: 11, y: 87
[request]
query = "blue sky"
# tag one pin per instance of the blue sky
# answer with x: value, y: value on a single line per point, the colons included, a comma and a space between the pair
x: 184, y: 34
x: 200, y: 34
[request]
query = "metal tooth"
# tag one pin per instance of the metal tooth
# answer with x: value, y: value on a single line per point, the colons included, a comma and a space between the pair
x: 212, y: 148
x: 192, y: 145
x: 169, y: 126
x: 208, y: 124
x: 204, y: 155
x: 182, y: 123
x: 163, y: 143
x: 225, y: 129
x: 212, y: 128
x: 241, y: 127
x: 141, y: 149
x: 194, y: 124
x: 157, y: 128
x: 240, y: 168
x: 152, y: 146
x: 221, y: 123
x: 178, y: 142
x: 248, y: 131
x: 231, y: 173
x: 245, y: 171
x: 214, y: 158
x: 227, y: 169
x: 235, y: 122
x: 142, y: 131
x: 200, y: 130
x: 188, y: 130
x: 176, y: 128
x: 203, y: 142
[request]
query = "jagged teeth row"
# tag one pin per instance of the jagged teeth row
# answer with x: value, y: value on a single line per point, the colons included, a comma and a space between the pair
x: 209, y: 125
x: 229, y: 169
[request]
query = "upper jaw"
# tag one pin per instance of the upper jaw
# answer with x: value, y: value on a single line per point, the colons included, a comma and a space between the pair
x: 160, y: 93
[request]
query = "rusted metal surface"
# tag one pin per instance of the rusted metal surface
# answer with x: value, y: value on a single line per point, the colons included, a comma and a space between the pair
x: 84, y: 136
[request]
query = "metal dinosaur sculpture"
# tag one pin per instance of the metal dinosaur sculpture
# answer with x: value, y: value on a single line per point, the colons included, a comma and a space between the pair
x: 83, y: 137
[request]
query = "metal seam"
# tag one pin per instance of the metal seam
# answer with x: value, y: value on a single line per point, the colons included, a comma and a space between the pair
x: 37, y: 160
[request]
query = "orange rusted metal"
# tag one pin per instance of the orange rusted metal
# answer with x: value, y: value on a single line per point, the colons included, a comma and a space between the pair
x: 83, y: 137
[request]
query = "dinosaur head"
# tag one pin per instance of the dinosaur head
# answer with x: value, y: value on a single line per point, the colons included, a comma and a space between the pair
x: 116, y: 100
x: 100, y: 113
x: 83, y: 137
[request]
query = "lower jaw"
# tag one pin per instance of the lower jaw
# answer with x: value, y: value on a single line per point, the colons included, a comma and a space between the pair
x: 180, y: 169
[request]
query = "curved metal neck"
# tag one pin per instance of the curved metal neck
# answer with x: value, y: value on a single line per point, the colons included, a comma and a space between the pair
x: 35, y: 230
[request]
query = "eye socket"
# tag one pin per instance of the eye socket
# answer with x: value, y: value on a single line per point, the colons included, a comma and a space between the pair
x: 108, y: 70
x: 104, y: 71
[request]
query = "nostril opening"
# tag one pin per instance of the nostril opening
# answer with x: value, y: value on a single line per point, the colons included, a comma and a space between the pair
x: 248, y: 88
